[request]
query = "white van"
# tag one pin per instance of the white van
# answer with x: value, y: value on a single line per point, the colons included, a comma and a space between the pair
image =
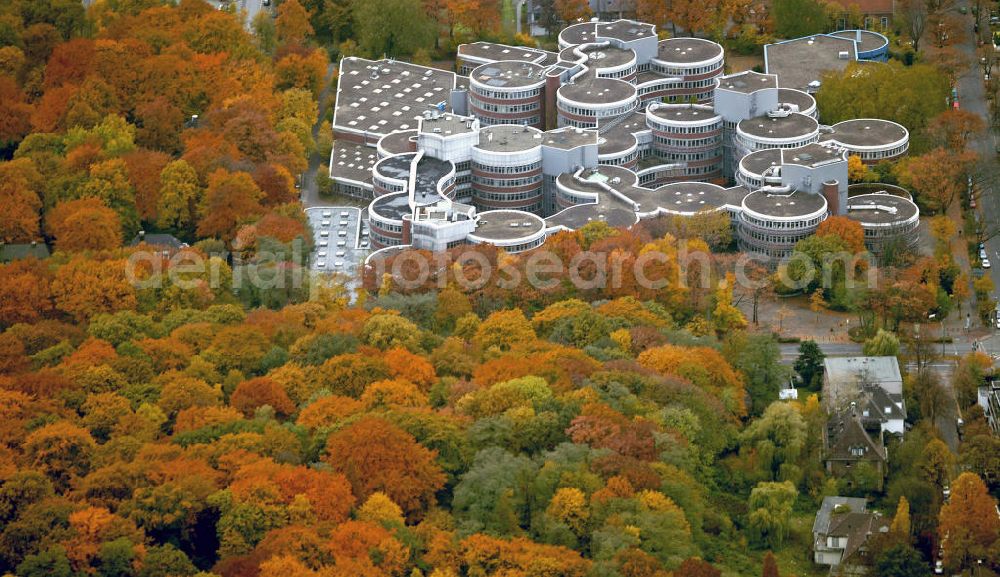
x: 324, y: 233
x: 342, y: 233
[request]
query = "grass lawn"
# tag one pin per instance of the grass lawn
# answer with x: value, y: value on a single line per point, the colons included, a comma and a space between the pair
x: 795, y: 558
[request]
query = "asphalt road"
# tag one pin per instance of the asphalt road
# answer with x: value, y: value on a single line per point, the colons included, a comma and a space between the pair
x: 972, y: 97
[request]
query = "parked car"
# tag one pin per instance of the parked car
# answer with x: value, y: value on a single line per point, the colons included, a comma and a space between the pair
x: 986, y: 263
x: 982, y: 253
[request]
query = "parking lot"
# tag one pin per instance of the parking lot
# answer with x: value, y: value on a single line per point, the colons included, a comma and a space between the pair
x: 341, y: 239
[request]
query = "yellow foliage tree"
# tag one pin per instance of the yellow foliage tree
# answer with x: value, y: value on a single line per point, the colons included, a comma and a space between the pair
x: 569, y: 505
x: 379, y: 508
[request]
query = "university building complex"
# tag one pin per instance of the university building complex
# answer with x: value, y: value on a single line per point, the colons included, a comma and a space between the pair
x: 618, y: 126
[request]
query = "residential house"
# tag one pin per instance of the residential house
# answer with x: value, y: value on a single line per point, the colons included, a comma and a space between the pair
x: 873, y: 385
x: 841, y: 532
x: 875, y: 14
x: 848, y: 445
x: 167, y: 242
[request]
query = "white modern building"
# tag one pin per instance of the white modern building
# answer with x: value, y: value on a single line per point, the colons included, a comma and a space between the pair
x: 617, y: 126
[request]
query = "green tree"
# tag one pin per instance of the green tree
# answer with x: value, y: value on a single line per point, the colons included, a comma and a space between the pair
x: 493, y: 496
x: 778, y: 436
x: 116, y: 558
x: 919, y: 93
x: 809, y: 364
x: 758, y: 357
x: 882, y: 344
x: 901, y: 560
x: 166, y: 561
x: 391, y: 27
x: 109, y: 182
x: 770, y: 511
x: 180, y: 195
x: 49, y: 563
x: 797, y: 18
x: 386, y: 331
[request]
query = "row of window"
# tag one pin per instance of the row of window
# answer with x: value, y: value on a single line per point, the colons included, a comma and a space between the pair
x: 674, y: 71
x: 753, y: 145
x: 602, y: 113
x: 504, y: 108
x: 352, y: 190
x: 384, y: 241
x: 530, y: 121
x: 881, y: 154
x: 701, y: 170
x: 507, y: 182
x: 519, y: 169
x: 690, y: 156
x: 386, y: 227
x: 687, y: 142
x: 622, y: 161
x: 750, y: 234
x: 890, y: 231
x: 504, y: 95
x: 700, y: 97
x: 783, y: 224
x: 563, y: 121
x: 675, y: 129
x: 388, y: 186
x: 525, y: 246
x: 569, y: 199
x: 507, y: 196
x: 532, y: 208
x: 620, y: 74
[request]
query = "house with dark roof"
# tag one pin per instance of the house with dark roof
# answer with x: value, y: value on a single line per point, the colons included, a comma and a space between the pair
x: 876, y: 14
x: 848, y: 445
x: 841, y: 532
x: 871, y: 384
x: 162, y: 241
x: 11, y: 252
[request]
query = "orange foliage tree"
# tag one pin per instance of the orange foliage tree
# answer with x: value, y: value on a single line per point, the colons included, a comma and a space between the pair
x: 20, y: 183
x: 24, y: 292
x: 231, y: 198
x: 83, y: 287
x: 85, y: 224
x: 254, y: 393
x: 375, y: 455
x: 845, y: 229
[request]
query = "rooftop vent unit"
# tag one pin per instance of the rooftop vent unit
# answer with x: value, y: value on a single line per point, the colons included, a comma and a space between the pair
x: 843, y: 55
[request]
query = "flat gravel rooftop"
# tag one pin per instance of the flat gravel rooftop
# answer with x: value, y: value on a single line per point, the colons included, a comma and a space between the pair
x: 790, y: 126
x: 797, y: 204
x: 687, y: 50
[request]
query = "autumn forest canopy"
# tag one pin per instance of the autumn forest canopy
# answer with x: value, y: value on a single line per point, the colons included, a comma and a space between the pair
x: 163, y: 420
